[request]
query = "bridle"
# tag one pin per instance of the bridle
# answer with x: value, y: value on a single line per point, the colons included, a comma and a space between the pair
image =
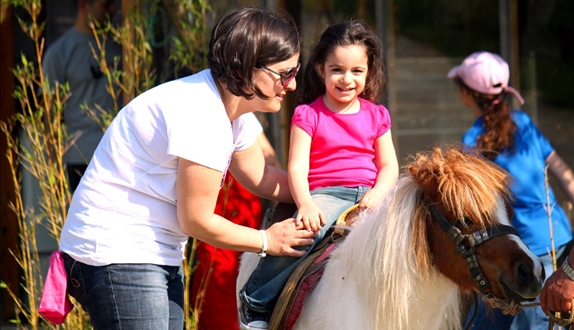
x: 465, y: 244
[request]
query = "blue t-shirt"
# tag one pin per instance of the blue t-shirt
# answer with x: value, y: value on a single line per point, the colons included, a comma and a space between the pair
x: 527, y: 165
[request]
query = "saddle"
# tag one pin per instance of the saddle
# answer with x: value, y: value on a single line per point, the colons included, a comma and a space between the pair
x: 308, y: 273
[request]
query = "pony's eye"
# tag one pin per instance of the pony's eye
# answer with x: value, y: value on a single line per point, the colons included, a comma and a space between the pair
x: 463, y: 223
x: 459, y: 224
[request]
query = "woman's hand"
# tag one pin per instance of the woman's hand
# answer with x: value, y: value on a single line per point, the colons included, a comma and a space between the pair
x: 283, y: 236
x: 557, y: 293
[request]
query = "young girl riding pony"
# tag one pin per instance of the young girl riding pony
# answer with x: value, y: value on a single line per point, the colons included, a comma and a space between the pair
x: 341, y: 152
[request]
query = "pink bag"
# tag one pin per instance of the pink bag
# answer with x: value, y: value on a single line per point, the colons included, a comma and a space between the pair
x: 55, y: 303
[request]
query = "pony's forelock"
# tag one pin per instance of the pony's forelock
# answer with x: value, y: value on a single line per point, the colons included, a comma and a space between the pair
x: 452, y: 175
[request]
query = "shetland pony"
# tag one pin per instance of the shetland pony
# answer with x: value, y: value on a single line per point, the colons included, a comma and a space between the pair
x: 398, y: 268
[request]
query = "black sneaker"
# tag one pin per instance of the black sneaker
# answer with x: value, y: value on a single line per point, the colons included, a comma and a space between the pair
x: 251, y: 319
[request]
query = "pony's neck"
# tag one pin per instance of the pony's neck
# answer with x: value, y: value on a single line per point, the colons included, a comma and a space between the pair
x: 378, y: 254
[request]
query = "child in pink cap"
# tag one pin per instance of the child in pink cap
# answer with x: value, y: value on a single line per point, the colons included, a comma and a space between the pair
x: 509, y: 138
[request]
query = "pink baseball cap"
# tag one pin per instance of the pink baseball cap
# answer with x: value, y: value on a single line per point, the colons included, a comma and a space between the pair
x: 485, y: 73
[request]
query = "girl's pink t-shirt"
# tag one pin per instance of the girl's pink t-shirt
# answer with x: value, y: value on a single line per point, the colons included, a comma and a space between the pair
x: 342, y: 145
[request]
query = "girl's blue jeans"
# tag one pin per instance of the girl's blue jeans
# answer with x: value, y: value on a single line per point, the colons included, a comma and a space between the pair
x: 267, y: 280
x: 128, y: 296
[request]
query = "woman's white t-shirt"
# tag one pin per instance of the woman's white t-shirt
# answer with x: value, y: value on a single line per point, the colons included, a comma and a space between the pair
x: 124, y: 210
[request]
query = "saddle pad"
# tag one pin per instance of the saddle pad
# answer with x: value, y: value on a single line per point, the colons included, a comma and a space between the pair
x: 307, y: 284
x: 301, y: 282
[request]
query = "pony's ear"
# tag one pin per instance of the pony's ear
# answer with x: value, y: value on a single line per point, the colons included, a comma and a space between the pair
x: 425, y: 176
x: 413, y: 170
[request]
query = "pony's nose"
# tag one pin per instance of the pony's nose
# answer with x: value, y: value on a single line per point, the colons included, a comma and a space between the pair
x: 526, y: 274
x: 543, y: 275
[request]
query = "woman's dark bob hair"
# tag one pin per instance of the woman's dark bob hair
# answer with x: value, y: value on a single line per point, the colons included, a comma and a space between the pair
x: 245, y: 38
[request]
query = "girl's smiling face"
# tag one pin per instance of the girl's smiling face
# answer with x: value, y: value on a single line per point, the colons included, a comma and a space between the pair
x: 345, y: 74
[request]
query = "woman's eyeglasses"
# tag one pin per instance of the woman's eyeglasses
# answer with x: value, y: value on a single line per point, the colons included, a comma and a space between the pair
x: 286, y: 76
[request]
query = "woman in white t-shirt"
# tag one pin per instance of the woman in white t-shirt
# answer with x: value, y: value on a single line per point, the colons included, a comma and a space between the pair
x: 155, y: 177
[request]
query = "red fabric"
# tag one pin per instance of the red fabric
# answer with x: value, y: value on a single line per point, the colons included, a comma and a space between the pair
x: 217, y: 269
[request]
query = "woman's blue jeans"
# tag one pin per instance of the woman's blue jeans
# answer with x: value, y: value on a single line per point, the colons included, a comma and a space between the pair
x: 528, y: 318
x: 128, y: 296
x: 268, y: 279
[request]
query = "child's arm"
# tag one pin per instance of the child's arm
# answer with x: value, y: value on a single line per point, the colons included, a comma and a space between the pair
x: 298, y: 172
x: 388, y: 171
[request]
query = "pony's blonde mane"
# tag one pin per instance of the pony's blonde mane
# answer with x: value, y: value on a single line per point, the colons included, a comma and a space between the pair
x: 390, y: 253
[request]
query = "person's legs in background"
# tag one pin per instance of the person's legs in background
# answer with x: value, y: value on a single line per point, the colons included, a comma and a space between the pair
x: 487, y: 318
x: 213, y: 283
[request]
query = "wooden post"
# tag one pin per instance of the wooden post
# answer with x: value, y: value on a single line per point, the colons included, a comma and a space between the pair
x: 508, y: 24
x: 293, y: 7
x: 9, y: 272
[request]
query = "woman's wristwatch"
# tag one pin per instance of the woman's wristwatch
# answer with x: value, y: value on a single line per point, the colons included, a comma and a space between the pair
x: 568, y: 270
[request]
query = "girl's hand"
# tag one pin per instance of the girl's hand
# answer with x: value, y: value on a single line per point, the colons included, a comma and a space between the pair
x: 311, y: 217
x: 371, y: 198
